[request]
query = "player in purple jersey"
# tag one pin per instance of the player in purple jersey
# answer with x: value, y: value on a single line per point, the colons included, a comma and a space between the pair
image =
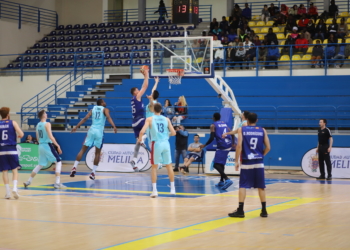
x: 9, y: 130
x: 138, y: 114
x: 224, y: 145
x: 251, y: 141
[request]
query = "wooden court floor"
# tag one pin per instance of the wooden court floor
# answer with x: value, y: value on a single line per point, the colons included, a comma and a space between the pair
x: 116, y: 212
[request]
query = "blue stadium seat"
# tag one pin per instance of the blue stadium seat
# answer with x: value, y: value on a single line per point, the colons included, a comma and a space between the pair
x: 62, y: 51
x: 128, y: 29
x: 143, y: 23
x: 101, y: 25
x: 79, y: 50
x: 77, y: 38
x: 60, y: 33
x: 93, y: 25
x: 111, y: 30
x: 27, y: 59
x: 45, y: 39
x: 97, y: 49
x: 157, y: 61
x: 68, y: 38
x: 161, y: 22
x: 18, y: 65
x: 52, y: 45
x: 35, y: 65
x: 88, y: 49
x: 53, y: 58
x: 85, y: 32
x: 116, y: 56
x: 26, y: 65
x: 53, y: 33
x: 103, y: 37
x: 71, y: 64
x: 62, y: 64
x: 124, y: 48
x: 153, y: 22
x: 36, y: 51
x: 98, y: 56
x: 136, y: 55
x: 119, y: 30
x: 112, y: 36
x: 122, y: 42
x: 126, y: 63
x: 53, y: 51
x: 70, y: 44
x: 137, y: 29
x: 89, y: 64
x: 146, y: 28
x: 28, y: 51
x: 53, y: 65
x: 147, y: 61
x: 173, y: 27
x: 88, y: 56
x: 138, y: 62
x: 44, y: 45
x: 70, y: 57
x: 114, y: 49
x: 136, y: 23
x: 165, y: 27
x: 148, y: 41
x: 69, y: 27
x: 77, y: 26
x: 87, y: 44
x: 96, y: 43
x: 93, y: 31
x: 85, y: 26
x: 173, y: 46
x: 80, y: 57
x: 52, y: 39
x: 80, y: 64
x: 126, y: 24
x: 141, y: 41
x: 105, y: 43
x: 107, y: 56
x: 44, y: 51
x: 109, y: 25
x: 102, y: 31
x: 155, y: 54
x: 94, y: 37
x: 131, y: 42
x: 126, y: 55
x: 144, y: 55
x: 139, y: 35
x: 86, y: 37
x: 144, y: 47
x: 98, y: 63
x: 18, y: 59
x: 78, y: 44
x: 135, y: 47
x: 121, y: 36
x: 61, y: 58
x: 35, y: 58
x: 148, y: 34
x: 114, y: 42
x: 108, y: 63
x: 155, y: 28
x: 130, y: 35
x: 60, y: 27
x: 118, y: 63
x: 166, y: 34
x: 61, y: 45
x: 106, y: 49
x: 69, y: 32
x: 77, y: 32
x: 70, y: 50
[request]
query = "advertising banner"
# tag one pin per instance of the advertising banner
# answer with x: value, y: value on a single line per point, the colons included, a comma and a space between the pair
x: 28, y: 154
x: 340, y: 159
x: 116, y: 158
x: 229, y: 167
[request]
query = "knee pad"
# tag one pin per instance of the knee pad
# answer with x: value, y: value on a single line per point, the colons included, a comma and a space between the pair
x: 37, y: 169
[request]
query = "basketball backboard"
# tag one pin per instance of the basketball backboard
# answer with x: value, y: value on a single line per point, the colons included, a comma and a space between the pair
x: 192, y: 54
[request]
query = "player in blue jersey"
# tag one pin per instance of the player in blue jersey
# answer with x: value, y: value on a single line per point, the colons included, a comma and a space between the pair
x: 9, y: 130
x: 138, y: 114
x: 251, y: 142
x: 160, y: 129
x: 224, y: 145
x: 99, y: 114
x: 243, y: 123
x: 47, y: 152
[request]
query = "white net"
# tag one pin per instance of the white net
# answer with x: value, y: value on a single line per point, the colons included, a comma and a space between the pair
x: 175, y: 75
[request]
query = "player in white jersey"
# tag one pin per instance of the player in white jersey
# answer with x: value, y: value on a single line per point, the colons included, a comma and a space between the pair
x: 160, y: 129
x: 47, y: 152
x: 95, y: 134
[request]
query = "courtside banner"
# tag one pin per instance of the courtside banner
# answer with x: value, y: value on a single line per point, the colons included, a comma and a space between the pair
x: 340, y: 159
x: 229, y: 166
x: 116, y: 158
x: 28, y: 154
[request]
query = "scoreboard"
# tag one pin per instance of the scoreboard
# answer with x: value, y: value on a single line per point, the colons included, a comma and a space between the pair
x: 185, y: 12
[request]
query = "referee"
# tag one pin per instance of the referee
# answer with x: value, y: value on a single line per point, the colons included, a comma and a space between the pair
x: 324, y: 147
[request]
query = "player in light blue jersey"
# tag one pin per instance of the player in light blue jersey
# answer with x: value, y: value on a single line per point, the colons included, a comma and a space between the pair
x: 47, y: 152
x: 253, y: 144
x: 160, y: 129
x: 243, y: 123
x: 99, y: 114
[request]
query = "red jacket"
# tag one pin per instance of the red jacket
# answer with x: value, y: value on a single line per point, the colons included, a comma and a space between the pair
x: 302, y: 23
x: 301, y: 41
x: 313, y: 11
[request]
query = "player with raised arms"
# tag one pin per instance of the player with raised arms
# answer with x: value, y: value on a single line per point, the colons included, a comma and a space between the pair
x: 224, y: 145
x: 251, y: 141
x: 160, y: 129
x: 47, y: 152
x: 8, y: 152
x: 99, y: 113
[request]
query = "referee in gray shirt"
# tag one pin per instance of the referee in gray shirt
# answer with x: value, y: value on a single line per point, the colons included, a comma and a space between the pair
x: 324, y: 148
x: 194, y: 154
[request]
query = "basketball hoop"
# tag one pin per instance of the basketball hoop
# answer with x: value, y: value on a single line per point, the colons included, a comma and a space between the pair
x: 175, y: 75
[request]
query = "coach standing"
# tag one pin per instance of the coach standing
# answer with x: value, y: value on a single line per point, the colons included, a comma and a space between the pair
x: 181, y: 142
x: 324, y: 147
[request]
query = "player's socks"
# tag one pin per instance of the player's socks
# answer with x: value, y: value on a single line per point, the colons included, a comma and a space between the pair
x: 154, y: 192
x: 143, y: 139
x: 94, y: 169
x: 58, y: 179
x: 76, y: 163
x: 240, y: 207
x: 30, y: 179
x: 15, y: 185
x: 172, y: 188
x: 263, y: 209
x: 8, y: 191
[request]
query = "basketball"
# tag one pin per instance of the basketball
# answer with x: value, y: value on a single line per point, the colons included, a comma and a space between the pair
x: 143, y: 68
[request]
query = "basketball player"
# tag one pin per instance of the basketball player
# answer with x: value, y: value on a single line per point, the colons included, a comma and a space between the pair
x: 138, y: 114
x: 217, y: 129
x: 8, y: 152
x: 159, y: 126
x: 94, y: 137
x: 251, y: 141
x: 47, y: 152
x: 243, y: 123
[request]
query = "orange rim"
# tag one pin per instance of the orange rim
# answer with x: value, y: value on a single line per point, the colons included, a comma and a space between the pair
x: 180, y: 72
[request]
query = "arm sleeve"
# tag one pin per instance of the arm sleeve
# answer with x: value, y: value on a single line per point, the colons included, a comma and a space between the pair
x: 211, y: 139
x: 183, y: 133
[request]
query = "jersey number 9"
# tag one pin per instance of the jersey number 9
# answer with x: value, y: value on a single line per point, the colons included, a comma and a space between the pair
x: 253, y: 142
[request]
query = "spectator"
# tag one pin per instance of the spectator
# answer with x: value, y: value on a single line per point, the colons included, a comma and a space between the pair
x: 31, y: 140
x: 247, y: 29
x: 286, y: 49
x: 279, y: 19
x: 333, y: 28
x: 232, y: 35
x: 342, y: 52
x: 247, y: 12
x: 320, y: 30
x: 273, y: 10
x: 301, y: 11
x: 181, y: 141
x: 231, y: 52
x: 333, y: 10
x: 242, y: 36
x: 247, y: 44
x: 168, y: 109
x: 293, y: 11
x: 307, y: 35
x: 224, y: 25
x: 225, y: 41
x: 180, y: 110
x: 219, y: 58
x: 216, y: 43
x: 295, y: 33
x: 262, y: 54
x: 241, y: 24
x: 213, y: 25
x: 342, y: 29
x: 284, y: 10
x: 234, y: 23
x: 236, y: 12
x: 216, y: 31
x: 332, y: 41
x: 290, y: 24
x: 162, y: 11
x: 301, y: 44
x: 265, y: 14
x: 312, y: 13
x: 273, y: 54
x: 271, y: 37
x: 240, y: 54
x: 257, y: 41
x: 331, y: 47
x: 311, y: 29
x: 195, y: 152
x: 316, y: 56
x: 249, y: 55
x: 303, y: 22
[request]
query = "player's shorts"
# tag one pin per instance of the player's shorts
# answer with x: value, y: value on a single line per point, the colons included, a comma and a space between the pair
x: 194, y: 156
x: 94, y: 138
x: 8, y: 158
x: 47, y: 153
x: 160, y: 153
x: 137, y: 126
x: 252, y: 176
x: 221, y: 156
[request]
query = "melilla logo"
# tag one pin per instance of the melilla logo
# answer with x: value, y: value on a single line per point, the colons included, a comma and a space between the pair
x: 230, y: 161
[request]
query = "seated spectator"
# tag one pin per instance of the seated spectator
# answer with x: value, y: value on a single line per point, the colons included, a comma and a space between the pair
x: 271, y: 37
x: 295, y: 33
x: 301, y: 11
x: 333, y: 28
x: 241, y: 24
x: 301, y: 44
x: 256, y: 41
x: 219, y: 58
x: 225, y: 41
x: 231, y: 51
x: 317, y: 54
x: 290, y: 24
x: 234, y: 24
x: 286, y: 49
x: 262, y: 54
x: 242, y: 36
x: 247, y: 44
x: 342, y: 52
x: 273, y: 10
x: 249, y: 55
x: 224, y: 25
x: 312, y: 13
x: 279, y: 19
x: 180, y: 110
x: 320, y: 30
x: 168, y: 109
x: 232, y: 35
x: 342, y: 29
x: 293, y: 11
x: 331, y: 47
x: 194, y: 153
x: 247, y: 29
x: 265, y: 14
x: 216, y: 43
x: 240, y: 54
x: 284, y: 10
x: 31, y: 140
x: 333, y: 10
x: 332, y: 41
x: 247, y: 12
x: 216, y: 31
x: 311, y: 29
x: 236, y: 12
x: 303, y: 22
x: 273, y: 54
x: 213, y: 25
x: 307, y: 35
x: 221, y: 36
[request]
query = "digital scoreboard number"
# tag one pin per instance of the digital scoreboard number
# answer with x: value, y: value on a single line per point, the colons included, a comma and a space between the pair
x: 185, y: 11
